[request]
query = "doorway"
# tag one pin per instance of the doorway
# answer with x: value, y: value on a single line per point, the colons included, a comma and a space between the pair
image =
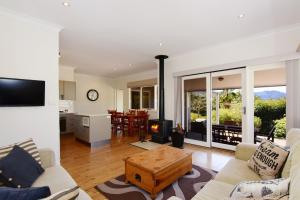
x: 269, y: 91
x: 213, y: 108
x: 196, y: 109
x: 119, y: 100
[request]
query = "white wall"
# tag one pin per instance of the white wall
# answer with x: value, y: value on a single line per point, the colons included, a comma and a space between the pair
x: 121, y: 83
x: 29, y: 50
x: 66, y: 73
x: 119, y: 100
x: 277, y: 43
x: 105, y: 87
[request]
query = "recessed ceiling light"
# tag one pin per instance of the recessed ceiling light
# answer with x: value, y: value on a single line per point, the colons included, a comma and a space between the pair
x: 66, y: 4
x: 241, y: 16
x: 160, y: 44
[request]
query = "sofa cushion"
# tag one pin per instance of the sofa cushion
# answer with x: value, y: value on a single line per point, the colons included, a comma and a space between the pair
x: 268, y: 159
x: 236, y: 171
x: 7, y: 193
x: 293, y: 137
x: 19, y: 168
x: 27, y: 145
x: 57, y: 178
x: 295, y: 183
x: 214, y: 190
x: 295, y: 173
x: 264, y: 189
x: 83, y: 195
x: 285, y: 173
x: 66, y: 194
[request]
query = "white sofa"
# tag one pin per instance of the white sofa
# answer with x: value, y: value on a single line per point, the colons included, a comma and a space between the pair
x: 236, y: 170
x: 55, y: 176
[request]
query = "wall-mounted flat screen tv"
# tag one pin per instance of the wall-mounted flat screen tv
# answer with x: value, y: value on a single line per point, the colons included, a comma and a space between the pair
x: 20, y: 92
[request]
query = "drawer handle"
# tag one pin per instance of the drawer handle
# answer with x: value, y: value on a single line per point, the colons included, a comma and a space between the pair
x: 138, y: 177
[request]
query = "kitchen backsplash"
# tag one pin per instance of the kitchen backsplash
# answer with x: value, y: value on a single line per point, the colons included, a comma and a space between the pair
x: 66, y: 106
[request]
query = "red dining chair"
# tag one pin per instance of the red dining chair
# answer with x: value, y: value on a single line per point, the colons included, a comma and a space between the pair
x: 117, y: 119
x: 143, y: 126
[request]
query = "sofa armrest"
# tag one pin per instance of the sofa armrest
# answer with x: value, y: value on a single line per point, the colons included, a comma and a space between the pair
x: 47, y: 157
x: 244, y: 151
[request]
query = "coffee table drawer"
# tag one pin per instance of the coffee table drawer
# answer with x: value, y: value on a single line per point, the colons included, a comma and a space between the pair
x: 139, y: 177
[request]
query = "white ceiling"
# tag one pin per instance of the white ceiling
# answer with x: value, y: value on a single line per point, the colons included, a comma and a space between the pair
x: 104, y: 37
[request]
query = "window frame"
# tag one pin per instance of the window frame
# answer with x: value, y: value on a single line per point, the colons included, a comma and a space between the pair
x: 141, y: 97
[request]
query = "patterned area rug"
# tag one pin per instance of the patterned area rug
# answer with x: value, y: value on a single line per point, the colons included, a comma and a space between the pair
x: 185, y: 188
x: 148, y: 145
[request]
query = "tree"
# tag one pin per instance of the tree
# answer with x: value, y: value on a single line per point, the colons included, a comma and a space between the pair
x: 198, y: 103
x: 229, y: 96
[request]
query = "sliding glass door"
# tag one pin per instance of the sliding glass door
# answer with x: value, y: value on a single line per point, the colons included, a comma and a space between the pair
x: 213, y: 108
x: 227, y: 108
x: 196, y: 109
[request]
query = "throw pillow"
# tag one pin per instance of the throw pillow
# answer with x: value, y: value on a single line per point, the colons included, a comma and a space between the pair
x: 19, y: 168
x: 268, y: 160
x: 24, y: 194
x: 68, y: 194
x: 27, y: 145
x: 264, y: 190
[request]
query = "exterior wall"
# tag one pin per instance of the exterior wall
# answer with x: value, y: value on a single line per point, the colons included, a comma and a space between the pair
x: 273, y: 44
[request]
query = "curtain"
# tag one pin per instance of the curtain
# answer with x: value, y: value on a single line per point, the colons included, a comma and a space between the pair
x: 293, y: 94
x: 178, y: 100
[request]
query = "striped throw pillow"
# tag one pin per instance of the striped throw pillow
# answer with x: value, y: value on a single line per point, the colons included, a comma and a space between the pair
x: 27, y: 145
x: 68, y: 194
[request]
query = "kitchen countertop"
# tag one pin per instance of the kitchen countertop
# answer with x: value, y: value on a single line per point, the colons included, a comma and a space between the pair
x: 92, y: 115
x: 66, y: 113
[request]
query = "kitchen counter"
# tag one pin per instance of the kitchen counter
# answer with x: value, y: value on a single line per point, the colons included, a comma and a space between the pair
x: 95, y: 129
x: 65, y: 113
x: 92, y: 115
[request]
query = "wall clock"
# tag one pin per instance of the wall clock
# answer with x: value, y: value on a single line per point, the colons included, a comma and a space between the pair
x: 92, y: 95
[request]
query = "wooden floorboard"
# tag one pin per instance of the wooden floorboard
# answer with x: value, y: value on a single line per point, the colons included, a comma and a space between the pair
x: 90, y: 167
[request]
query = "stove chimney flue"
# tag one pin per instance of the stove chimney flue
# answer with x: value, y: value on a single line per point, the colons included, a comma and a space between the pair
x: 161, y: 59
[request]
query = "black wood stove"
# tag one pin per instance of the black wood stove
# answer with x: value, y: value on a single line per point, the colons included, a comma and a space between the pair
x: 161, y: 128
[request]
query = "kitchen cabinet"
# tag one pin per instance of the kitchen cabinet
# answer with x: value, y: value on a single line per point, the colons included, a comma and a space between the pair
x: 67, y: 123
x: 67, y: 90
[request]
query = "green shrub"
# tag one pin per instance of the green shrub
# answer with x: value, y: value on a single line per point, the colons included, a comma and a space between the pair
x: 257, y: 122
x: 268, y: 111
x: 280, y: 128
x: 228, y: 115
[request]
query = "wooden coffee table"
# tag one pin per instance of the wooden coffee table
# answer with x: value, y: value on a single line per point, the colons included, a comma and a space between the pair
x: 156, y: 169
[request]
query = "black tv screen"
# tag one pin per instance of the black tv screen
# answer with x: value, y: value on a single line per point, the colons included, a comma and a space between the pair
x: 19, y: 92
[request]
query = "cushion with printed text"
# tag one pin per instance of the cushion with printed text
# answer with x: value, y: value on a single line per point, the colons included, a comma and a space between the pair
x: 267, y: 160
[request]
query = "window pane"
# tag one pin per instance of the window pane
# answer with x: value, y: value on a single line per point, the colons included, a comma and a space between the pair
x: 135, y: 98
x: 148, y: 97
